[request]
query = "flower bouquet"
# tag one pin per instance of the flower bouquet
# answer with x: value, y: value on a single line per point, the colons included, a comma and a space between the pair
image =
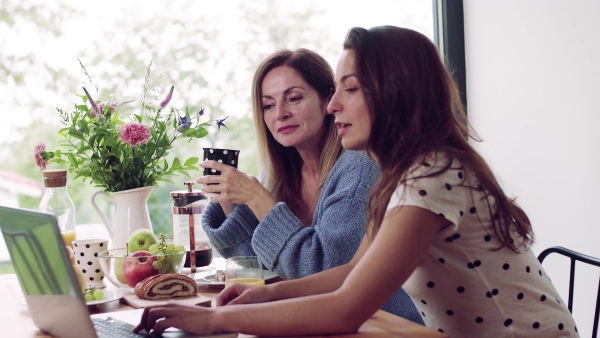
x: 123, y: 152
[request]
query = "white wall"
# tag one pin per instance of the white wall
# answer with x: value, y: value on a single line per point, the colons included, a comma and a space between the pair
x: 533, y: 77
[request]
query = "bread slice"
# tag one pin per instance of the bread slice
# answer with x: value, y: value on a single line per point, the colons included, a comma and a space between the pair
x: 166, y: 286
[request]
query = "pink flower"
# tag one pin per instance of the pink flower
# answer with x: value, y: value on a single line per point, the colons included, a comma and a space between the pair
x: 111, y: 107
x: 37, y: 155
x: 134, y: 133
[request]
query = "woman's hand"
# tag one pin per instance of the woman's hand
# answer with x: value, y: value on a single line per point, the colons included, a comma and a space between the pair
x: 193, y: 319
x: 237, y: 293
x: 235, y: 186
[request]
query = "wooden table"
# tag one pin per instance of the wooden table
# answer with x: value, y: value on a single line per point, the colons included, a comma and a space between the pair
x: 15, y: 320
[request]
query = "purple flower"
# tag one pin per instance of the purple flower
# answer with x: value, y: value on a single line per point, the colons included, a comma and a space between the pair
x: 134, y: 133
x: 167, y: 99
x: 184, y: 123
x: 37, y: 155
x: 220, y: 123
x: 201, y: 112
x: 96, y: 111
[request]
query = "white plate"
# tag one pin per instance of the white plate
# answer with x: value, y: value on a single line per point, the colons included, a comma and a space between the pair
x: 209, y: 280
x: 109, y: 296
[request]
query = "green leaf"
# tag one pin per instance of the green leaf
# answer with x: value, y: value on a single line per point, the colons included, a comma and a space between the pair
x: 74, y: 133
x: 83, y: 149
x: 176, y: 164
x: 72, y: 159
x: 190, y: 161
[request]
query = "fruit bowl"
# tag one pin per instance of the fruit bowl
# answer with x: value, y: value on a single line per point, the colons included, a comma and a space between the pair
x: 126, y: 271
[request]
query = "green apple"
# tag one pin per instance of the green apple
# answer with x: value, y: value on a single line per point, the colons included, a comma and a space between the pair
x: 119, y: 267
x: 140, y: 240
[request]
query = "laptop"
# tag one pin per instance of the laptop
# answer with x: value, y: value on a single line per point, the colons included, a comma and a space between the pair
x: 48, y: 281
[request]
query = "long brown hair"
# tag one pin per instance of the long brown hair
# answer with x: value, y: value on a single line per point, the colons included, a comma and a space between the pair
x: 282, y: 166
x: 416, y: 110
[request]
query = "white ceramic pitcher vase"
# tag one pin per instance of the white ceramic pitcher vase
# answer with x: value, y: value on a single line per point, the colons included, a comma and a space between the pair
x: 131, y: 214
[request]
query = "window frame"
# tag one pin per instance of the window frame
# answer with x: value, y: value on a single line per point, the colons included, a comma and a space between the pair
x: 449, y: 36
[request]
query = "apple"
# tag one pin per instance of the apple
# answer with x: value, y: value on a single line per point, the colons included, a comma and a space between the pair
x: 138, y: 266
x: 141, y: 239
x: 119, y: 267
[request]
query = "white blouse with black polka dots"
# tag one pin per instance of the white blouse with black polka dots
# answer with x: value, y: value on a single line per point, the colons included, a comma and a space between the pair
x: 464, y: 287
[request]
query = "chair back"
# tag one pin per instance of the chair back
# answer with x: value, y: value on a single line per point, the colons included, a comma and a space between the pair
x: 576, y: 257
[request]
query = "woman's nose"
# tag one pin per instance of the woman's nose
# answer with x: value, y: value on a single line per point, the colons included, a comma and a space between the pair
x: 282, y: 112
x: 333, y: 106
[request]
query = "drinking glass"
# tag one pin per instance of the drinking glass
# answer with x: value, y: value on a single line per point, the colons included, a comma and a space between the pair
x: 244, y: 269
x: 68, y: 237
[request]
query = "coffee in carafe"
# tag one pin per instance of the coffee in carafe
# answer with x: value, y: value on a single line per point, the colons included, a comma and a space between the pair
x: 188, y: 206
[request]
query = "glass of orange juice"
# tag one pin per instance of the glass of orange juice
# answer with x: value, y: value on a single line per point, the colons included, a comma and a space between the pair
x: 244, y: 269
x: 68, y: 238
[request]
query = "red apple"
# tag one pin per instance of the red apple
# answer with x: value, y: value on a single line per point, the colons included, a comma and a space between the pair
x: 137, y: 267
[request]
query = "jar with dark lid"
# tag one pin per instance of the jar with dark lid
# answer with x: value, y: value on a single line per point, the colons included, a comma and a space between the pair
x: 188, y: 206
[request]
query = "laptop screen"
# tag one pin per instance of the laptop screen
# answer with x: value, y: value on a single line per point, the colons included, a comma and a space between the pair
x: 45, y: 273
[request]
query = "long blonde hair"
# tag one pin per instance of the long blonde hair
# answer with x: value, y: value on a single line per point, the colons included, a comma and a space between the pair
x: 416, y: 110
x: 282, y: 165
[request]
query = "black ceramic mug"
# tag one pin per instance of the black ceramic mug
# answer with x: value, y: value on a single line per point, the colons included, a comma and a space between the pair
x: 227, y: 156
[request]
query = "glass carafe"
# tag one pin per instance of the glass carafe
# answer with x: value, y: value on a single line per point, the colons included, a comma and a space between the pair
x: 188, y: 206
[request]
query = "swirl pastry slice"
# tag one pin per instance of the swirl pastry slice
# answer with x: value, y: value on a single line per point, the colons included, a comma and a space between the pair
x: 166, y: 286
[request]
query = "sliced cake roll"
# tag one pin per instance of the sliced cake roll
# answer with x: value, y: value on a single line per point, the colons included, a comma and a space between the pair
x: 166, y: 286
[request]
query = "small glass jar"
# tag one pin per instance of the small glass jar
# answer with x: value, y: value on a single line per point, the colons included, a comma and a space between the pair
x: 56, y: 200
x: 188, y: 206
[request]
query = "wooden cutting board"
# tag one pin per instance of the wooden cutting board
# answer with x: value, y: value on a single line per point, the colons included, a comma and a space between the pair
x: 136, y: 302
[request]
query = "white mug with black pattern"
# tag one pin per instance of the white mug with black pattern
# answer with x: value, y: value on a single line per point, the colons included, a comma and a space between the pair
x: 86, y: 253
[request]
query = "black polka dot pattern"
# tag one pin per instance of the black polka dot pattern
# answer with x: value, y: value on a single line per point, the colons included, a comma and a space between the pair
x: 87, y: 261
x: 463, y: 275
x: 452, y: 238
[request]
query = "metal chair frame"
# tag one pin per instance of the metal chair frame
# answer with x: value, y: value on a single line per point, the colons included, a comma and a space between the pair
x: 576, y: 256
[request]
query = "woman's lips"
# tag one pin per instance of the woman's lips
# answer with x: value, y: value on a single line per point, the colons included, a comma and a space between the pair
x: 343, y: 128
x: 287, y: 129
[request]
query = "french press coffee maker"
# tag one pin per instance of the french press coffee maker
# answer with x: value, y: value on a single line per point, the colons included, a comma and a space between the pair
x: 188, y: 206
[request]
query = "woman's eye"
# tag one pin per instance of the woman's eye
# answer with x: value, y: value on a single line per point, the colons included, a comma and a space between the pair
x: 268, y: 106
x: 351, y: 89
x: 295, y: 98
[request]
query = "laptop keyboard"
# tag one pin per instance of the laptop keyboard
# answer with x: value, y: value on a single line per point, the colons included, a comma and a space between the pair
x: 113, y: 328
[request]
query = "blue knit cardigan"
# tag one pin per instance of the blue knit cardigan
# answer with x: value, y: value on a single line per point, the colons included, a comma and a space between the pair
x: 292, y: 250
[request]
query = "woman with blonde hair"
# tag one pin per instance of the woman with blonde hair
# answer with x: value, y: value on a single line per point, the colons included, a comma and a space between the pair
x: 308, y: 215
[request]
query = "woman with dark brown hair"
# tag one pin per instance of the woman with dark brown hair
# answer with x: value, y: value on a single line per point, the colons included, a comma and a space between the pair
x: 440, y: 225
